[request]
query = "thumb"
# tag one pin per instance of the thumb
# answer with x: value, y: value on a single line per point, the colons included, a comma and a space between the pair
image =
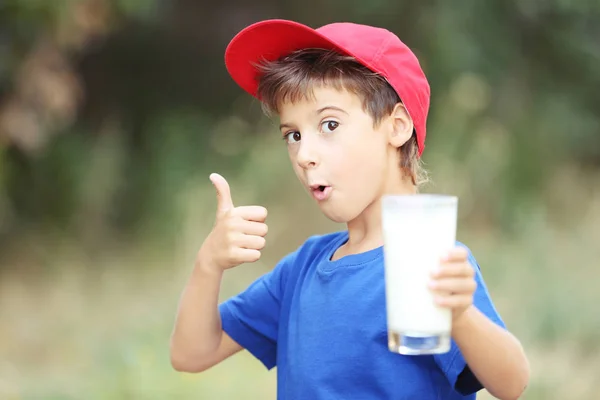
x: 224, y: 202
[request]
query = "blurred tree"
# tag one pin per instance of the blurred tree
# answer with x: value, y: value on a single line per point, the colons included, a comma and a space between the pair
x: 513, y: 83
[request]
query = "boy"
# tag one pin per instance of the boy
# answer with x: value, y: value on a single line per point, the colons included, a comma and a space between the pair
x: 352, y: 101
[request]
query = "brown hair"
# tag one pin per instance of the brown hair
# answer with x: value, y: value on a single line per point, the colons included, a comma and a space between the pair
x: 293, y: 77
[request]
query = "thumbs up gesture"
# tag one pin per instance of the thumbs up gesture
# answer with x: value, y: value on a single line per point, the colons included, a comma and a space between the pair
x: 238, y: 234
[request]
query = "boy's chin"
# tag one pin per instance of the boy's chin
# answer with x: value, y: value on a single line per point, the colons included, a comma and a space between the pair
x: 337, y: 216
x: 337, y: 219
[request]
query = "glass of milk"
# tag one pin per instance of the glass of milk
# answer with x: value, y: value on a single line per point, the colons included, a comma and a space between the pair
x: 418, y: 231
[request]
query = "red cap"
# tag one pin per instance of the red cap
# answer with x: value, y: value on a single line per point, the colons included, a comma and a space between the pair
x: 377, y: 49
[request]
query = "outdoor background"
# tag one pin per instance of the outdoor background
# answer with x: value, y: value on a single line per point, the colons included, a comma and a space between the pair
x: 114, y: 112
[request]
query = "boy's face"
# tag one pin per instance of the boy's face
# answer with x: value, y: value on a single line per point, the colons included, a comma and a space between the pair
x: 340, y: 157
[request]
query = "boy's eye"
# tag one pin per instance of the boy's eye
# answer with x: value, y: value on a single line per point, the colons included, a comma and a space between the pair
x: 293, y: 137
x: 329, y: 126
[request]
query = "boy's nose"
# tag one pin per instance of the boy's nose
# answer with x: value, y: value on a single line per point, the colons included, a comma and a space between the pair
x: 306, y: 156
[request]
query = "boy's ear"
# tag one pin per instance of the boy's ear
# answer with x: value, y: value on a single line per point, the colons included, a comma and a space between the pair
x: 401, y: 126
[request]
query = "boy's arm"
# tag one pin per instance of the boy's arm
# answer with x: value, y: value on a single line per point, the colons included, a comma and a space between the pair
x: 198, y: 341
x: 484, y: 353
x: 493, y: 354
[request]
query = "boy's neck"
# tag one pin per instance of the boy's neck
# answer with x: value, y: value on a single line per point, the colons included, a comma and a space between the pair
x: 365, y: 231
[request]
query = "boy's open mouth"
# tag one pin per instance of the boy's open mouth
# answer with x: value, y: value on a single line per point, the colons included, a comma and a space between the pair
x: 320, y: 192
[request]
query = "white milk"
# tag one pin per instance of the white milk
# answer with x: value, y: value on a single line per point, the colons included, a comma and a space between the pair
x: 418, y: 230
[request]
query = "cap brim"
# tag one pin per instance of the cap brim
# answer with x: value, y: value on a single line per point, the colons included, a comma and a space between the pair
x: 268, y: 41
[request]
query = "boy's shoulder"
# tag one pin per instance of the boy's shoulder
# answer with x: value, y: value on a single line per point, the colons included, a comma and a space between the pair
x: 325, y: 238
x: 470, y: 256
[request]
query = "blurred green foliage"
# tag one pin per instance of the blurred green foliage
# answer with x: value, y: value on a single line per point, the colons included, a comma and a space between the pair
x: 520, y: 75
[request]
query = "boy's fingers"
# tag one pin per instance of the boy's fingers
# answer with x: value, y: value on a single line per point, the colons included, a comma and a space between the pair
x: 251, y: 213
x: 453, y: 270
x: 453, y: 285
x: 456, y: 254
x: 246, y: 255
x: 253, y: 228
x: 454, y: 300
x: 224, y: 202
x: 252, y: 242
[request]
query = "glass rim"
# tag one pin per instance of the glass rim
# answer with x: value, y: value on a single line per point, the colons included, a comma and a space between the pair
x: 419, y: 199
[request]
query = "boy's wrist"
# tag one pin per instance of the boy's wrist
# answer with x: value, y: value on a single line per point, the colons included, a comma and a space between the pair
x: 462, y: 322
x: 206, y: 266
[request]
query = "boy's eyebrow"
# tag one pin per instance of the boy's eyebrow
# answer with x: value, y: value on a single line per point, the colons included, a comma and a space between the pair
x: 319, y: 111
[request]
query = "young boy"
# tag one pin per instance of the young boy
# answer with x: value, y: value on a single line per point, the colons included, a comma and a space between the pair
x: 352, y: 101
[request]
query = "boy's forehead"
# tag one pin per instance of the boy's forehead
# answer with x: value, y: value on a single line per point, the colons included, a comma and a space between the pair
x: 320, y: 97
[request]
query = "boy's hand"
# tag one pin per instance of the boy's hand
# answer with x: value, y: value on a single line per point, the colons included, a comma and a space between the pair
x: 453, y: 283
x: 238, y: 234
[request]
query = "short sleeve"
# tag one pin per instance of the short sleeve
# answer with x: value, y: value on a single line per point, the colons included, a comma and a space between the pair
x: 453, y: 363
x: 251, y: 318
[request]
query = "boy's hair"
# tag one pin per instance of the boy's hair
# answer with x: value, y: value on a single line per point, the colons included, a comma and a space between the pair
x: 293, y: 78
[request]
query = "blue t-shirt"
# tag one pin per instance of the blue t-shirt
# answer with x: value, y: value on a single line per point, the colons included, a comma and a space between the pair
x: 323, y: 324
